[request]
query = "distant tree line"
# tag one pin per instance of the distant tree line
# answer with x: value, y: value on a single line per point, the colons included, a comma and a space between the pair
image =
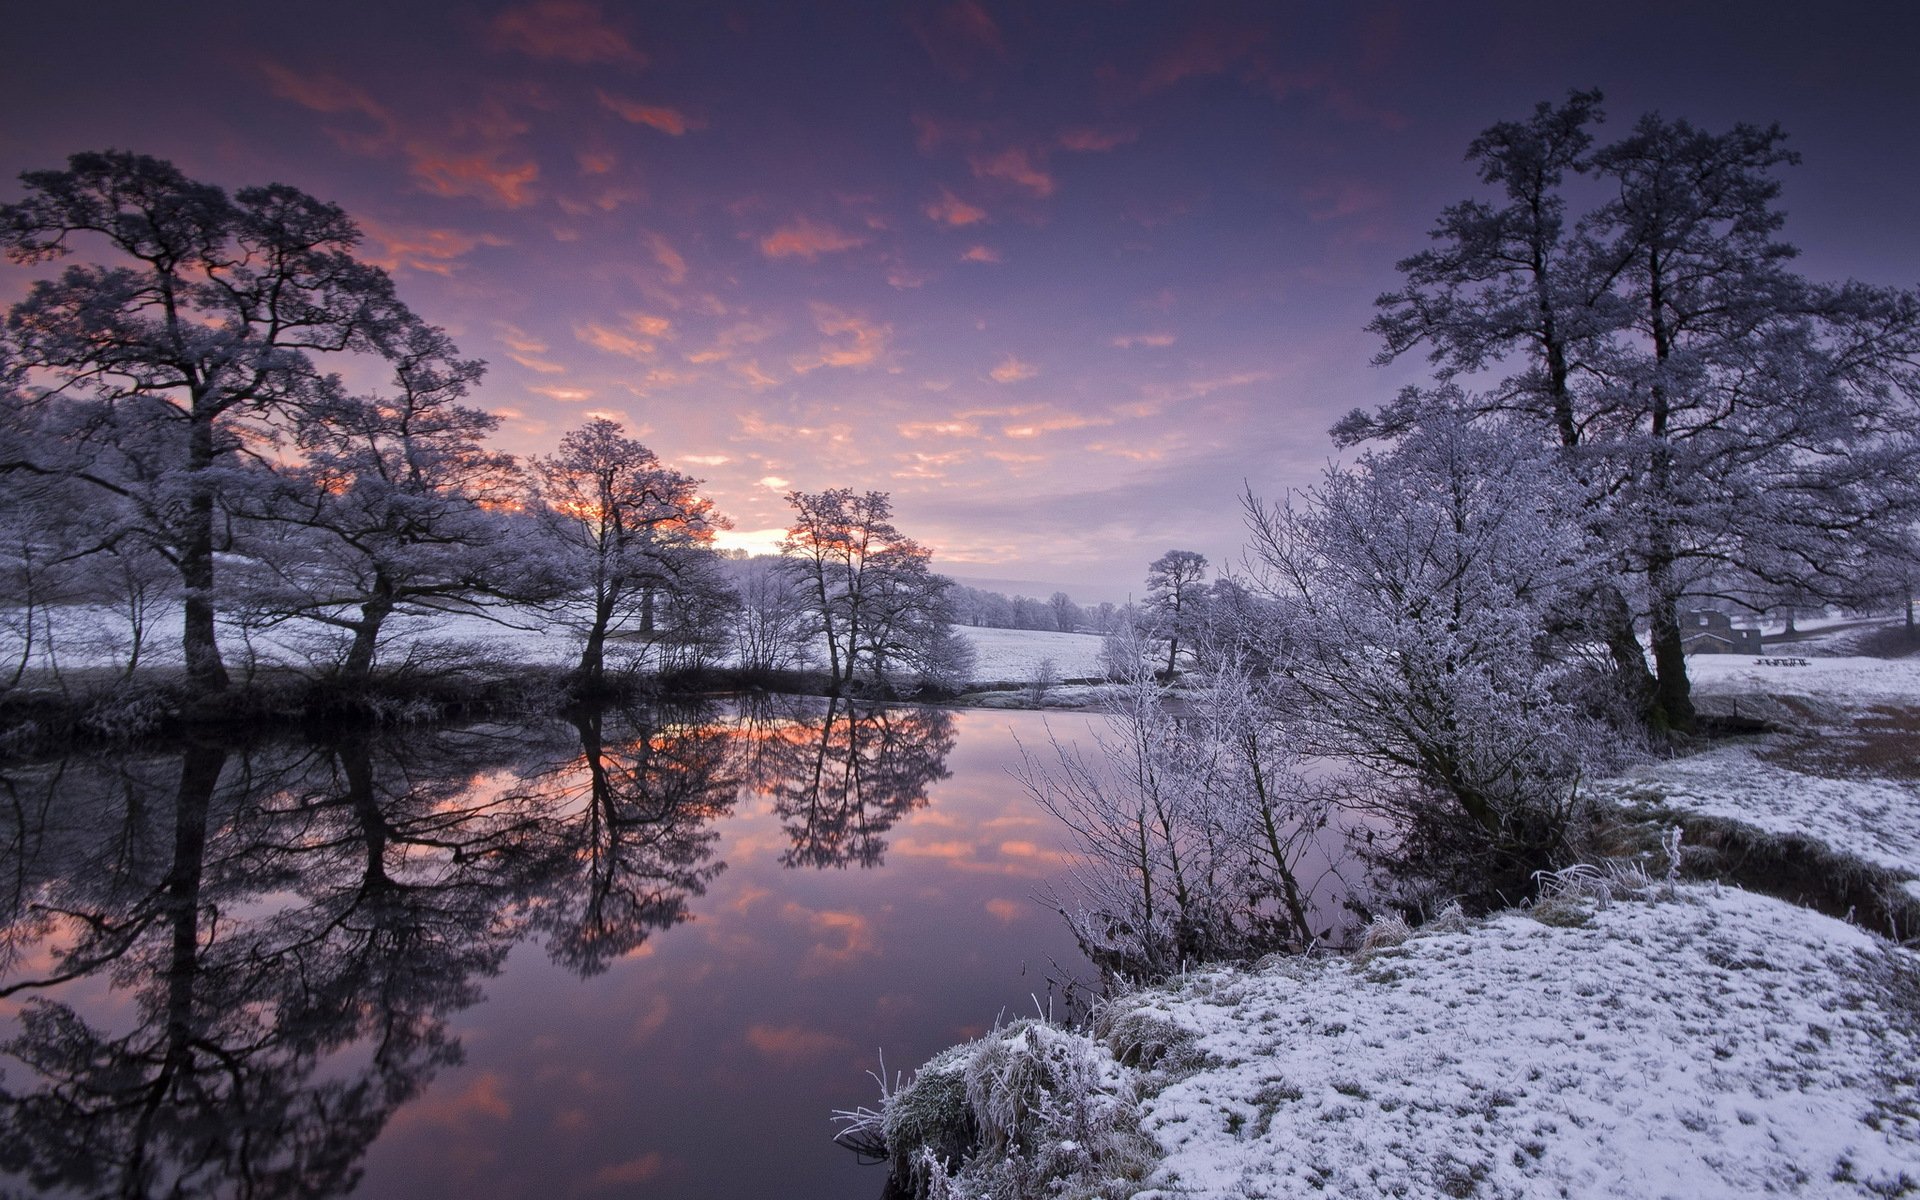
x: 178, y: 442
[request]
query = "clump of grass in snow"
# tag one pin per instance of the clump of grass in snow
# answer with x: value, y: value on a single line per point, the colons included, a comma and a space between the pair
x: 1030, y: 1110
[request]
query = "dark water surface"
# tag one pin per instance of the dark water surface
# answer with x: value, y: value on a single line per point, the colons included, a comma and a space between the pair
x: 632, y: 955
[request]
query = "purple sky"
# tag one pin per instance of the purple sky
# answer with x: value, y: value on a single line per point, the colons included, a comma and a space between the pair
x: 1058, y: 276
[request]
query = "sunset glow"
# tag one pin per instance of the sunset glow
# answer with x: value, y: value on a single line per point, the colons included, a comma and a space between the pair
x: 1064, y: 279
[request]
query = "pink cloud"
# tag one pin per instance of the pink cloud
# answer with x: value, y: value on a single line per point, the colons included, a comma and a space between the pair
x: 793, y: 1044
x: 981, y: 254
x: 953, y: 212
x: 1014, y: 166
x: 857, y: 342
x: 1127, y: 341
x: 1013, y: 370
x: 669, y: 259
x: 436, y: 251
x: 1096, y: 140
x: 564, y: 31
x: 477, y: 175
x: 807, y: 239
x: 656, y: 116
x: 634, y: 1170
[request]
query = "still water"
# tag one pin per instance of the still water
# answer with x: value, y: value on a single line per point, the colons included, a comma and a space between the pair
x: 639, y: 954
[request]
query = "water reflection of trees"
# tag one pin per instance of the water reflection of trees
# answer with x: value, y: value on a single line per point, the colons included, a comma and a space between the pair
x: 840, y: 774
x: 636, y: 804
x: 295, y: 925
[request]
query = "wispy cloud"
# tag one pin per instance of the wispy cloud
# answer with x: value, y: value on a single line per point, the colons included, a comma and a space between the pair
x: 571, y: 31
x: 1127, y: 341
x: 981, y: 254
x: 639, y: 339
x: 808, y: 239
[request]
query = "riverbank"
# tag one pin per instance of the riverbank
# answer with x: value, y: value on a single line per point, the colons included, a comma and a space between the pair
x: 1632, y: 1038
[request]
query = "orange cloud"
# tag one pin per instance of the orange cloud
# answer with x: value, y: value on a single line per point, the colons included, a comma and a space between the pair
x: 640, y: 339
x: 595, y: 162
x: 953, y: 212
x: 729, y: 341
x: 1013, y: 166
x: 1127, y: 341
x: 669, y: 121
x: 564, y: 31
x: 807, y: 239
x: 981, y: 254
x: 563, y: 394
x: 1095, y: 140
x: 1013, y: 370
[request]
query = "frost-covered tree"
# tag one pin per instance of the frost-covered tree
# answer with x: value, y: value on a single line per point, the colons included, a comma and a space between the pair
x: 1735, y: 428
x: 394, y: 506
x: 630, y: 529
x: 1174, y: 580
x: 192, y: 345
x: 1066, y: 614
x: 1412, y: 588
x: 874, y: 598
x: 771, y: 624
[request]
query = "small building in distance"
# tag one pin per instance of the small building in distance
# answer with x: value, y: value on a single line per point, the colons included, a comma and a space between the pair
x: 1707, y: 632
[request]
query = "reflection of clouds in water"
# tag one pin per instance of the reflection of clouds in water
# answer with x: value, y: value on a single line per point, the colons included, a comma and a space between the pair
x: 792, y: 1045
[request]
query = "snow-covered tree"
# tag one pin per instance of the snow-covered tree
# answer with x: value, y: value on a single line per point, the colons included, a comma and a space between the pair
x: 1412, y: 588
x: 193, y: 345
x: 771, y: 624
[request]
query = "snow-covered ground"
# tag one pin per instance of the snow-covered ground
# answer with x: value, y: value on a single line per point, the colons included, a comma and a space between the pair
x: 91, y: 638
x: 1716, y: 1044
x: 1838, y: 680
x: 1014, y: 655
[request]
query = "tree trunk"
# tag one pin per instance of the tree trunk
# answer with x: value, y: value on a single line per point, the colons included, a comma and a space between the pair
x: 205, y: 671
x: 366, y: 635
x: 593, y: 657
x: 1673, y: 694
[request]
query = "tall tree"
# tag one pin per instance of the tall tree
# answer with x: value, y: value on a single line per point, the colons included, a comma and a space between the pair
x: 192, y: 343
x: 628, y: 526
x: 1735, y: 427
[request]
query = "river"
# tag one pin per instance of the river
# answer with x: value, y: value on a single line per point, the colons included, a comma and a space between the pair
x: 638, y: 954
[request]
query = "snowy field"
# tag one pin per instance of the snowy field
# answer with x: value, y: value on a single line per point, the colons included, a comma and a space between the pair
x: 1014, y: 655
x: 1720, y: 1044
x: 90, y: 638
x: 1835, y: 680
